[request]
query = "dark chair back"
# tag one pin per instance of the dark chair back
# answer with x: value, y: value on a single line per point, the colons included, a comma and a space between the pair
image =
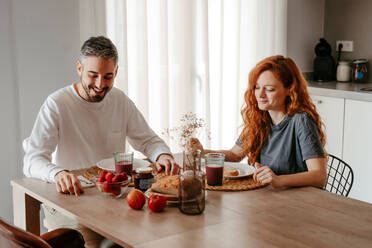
x: 11, y: 236
x: 14, y: 237
x: 340, y: 176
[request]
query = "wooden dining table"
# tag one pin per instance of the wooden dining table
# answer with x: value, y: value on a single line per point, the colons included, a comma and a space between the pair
x: 265, y: 217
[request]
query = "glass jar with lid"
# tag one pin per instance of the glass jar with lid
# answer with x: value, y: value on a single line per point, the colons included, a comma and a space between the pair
x: 360, y: 70
x: 143, y: 178
x: 343, y: 73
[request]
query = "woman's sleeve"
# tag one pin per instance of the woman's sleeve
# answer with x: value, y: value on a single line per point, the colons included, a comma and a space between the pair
x: 308, y: 137
x: 238, y: 142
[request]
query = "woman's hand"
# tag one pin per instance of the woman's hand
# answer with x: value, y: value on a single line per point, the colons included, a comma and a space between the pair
x: 68, y: 183
x: 195, y: 144
x: 265, y: 175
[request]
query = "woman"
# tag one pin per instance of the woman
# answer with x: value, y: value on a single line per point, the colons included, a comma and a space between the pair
x: 282, y: 134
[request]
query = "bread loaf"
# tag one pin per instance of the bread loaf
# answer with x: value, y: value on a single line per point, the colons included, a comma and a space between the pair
x: 166, y: 185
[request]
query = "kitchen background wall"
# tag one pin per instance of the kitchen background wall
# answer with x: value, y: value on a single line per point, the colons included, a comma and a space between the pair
x: 40, y: 41
x: 350, y: 20
x: 304, y: 28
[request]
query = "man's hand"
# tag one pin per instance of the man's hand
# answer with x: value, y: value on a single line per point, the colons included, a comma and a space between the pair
x: 67, y: 182
x: 167, y: 161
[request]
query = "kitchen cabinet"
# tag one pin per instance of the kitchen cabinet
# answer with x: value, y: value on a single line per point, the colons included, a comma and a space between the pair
x: 331, y: 111
x: 358, y: 147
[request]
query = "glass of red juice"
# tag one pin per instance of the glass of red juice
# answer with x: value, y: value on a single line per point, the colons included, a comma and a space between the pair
x: 214, y: 168
x: 123, y: 162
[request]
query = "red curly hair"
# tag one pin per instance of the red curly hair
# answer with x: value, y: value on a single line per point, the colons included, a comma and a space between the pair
x: 257, y: 122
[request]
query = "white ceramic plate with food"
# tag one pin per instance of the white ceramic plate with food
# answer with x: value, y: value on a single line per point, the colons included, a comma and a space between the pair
x: 245, y: 170
x: 109, y: 164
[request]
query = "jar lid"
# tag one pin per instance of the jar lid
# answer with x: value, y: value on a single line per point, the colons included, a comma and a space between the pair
x: 144, y: 170
x: 344, y: 62
x: 360, y: 61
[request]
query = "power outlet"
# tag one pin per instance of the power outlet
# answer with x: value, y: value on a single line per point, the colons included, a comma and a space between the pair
x: 347, y: 45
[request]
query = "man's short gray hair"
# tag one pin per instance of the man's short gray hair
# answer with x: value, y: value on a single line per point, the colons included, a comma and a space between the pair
x: 99, y: 46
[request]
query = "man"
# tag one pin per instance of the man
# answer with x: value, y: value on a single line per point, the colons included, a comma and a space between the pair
x: 86, y: 122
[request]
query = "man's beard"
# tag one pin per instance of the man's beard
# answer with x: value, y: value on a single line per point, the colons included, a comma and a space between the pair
x: 95, y: 98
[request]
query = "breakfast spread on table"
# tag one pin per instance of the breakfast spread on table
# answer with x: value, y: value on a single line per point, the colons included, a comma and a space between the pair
x: 237, y: 177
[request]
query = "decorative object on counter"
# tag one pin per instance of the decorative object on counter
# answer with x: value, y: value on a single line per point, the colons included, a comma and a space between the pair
x: 360, y: 70
x: 343, y: 71
x: 324, y: 64
x: 191, y: 184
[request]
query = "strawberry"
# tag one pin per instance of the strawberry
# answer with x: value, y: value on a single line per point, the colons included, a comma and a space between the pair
x: 103, y: 173
x: 124, y: 176
x: 109, y: 176
x: 102, y: 179
x: 106, y: 187
x: 117, y: 178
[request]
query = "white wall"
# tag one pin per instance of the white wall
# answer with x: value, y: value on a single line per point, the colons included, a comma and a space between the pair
x: 9, y: 124
x: 305, y: 27
x: 40, y: 42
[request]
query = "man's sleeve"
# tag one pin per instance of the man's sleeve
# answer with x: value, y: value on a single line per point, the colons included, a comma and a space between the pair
x: 142, y: 137
x: 41, y: 144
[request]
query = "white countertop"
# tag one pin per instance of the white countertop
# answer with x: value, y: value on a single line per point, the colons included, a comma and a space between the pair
x: 346, y: 90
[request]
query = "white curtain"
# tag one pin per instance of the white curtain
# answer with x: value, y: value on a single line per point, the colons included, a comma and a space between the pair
x: 180, y: 56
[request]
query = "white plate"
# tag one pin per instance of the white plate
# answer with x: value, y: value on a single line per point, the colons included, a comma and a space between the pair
x: 85, y: 183
x: 245, y: 170
x: 109, y: 164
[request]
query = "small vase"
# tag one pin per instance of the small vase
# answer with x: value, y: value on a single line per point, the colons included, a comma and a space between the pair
x: 192, y: 184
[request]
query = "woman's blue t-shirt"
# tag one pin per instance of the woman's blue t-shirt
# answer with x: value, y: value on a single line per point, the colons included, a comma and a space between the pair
x: 290, y: 143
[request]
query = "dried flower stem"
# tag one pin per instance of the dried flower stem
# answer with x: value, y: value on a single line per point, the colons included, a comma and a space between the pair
x: 189, y: 127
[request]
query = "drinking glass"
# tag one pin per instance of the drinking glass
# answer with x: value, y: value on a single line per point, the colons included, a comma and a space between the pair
x: 214, y: 168
x: 123, y: 162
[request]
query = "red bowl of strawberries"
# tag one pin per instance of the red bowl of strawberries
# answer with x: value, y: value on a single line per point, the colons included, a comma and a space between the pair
x: 113, y: 184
